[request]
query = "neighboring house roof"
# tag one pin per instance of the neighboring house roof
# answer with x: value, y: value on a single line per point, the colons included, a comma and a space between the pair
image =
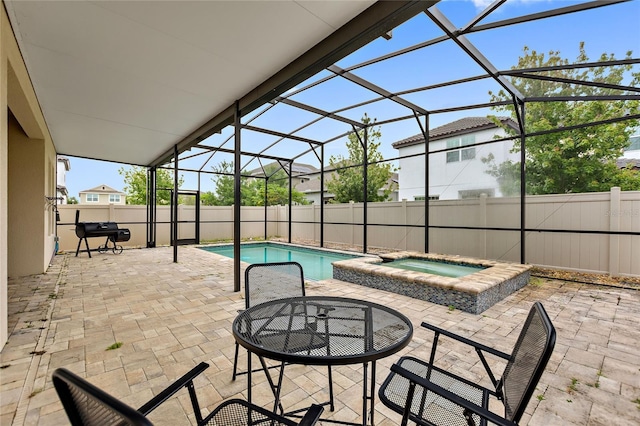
x: 103, y: 189
x: 623, y: 162
x: 313, y: 185
x: 65, y: 161
x: 62, y: 189
x: 297, y: 168
x: 458, y: 127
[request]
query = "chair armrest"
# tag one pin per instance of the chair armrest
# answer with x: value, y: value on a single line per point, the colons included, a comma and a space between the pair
x: 466, y: 341
x: 481, y: 411
x: 312, y: 415
x: 183, y: 381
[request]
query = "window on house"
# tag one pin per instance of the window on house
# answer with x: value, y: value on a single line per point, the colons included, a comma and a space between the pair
x: 461, y: 154
x: 114, y: 198
x: 476, y: 193
x: 634, y: 144
x: 92, y: 198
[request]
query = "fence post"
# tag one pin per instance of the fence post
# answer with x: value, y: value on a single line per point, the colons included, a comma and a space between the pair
x: 315, y: 221
x: 112, y: 213
x: 352, y: 220
x: 614, y: 225
x: 404, y: 214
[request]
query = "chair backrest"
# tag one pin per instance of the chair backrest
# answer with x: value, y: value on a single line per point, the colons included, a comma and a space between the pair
x: 87, y: 405
x: 268, y: 281
x: 528, y: 361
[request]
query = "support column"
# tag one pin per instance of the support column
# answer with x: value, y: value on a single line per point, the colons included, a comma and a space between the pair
x: 174, y: 224
x: 266, y: 209
x: 523, y: 186
x: 321, y: 195
x: 366, y: 189
x: 151, y: 207
x: 426, y: 183
x: 237, y: 198
x: 290, y: 198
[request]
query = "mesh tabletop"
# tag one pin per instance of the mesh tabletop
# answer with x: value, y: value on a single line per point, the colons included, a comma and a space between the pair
x: 319, y: 330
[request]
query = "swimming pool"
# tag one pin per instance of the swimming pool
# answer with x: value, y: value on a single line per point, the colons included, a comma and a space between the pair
x: 444, y: 269
x: 316, y: 263
x: 491, y: 282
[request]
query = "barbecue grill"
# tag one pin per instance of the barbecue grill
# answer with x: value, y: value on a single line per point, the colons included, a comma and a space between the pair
x: 108, y: 230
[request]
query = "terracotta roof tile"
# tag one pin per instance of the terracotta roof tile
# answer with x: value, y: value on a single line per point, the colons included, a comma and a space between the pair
x: 462, y: 126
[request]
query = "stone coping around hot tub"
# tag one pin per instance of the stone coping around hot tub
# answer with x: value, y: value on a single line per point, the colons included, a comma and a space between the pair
x: 472, y: 293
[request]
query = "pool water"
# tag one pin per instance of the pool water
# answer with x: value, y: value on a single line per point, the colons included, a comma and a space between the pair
x: 316, y: 264
x: 434, y: 267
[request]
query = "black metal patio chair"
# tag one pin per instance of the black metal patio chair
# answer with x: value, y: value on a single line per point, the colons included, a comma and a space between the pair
x: 429, y: 395
x: 86, y: 405
x: 264, y: 282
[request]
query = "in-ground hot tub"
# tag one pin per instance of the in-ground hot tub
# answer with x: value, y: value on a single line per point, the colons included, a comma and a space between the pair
x: 486, y: 283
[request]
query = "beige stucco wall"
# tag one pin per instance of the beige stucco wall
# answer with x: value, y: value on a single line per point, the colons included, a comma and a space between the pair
x: 26, y: 170
x: 4, y: 162
x: 27, y: 174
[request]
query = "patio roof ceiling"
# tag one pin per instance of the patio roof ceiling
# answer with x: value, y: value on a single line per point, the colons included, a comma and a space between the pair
x: 126, y: 81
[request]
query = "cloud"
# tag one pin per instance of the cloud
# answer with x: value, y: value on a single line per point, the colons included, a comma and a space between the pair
x: 482, y: 4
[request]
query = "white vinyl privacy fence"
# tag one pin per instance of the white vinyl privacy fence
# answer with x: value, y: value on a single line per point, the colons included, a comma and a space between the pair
x: 594, y: 232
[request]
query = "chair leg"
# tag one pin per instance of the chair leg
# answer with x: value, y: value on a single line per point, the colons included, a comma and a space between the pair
x: 235, y: 363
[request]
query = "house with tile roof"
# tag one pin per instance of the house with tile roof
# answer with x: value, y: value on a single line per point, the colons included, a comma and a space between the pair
x: 102, y: 194
x: 300, y: 172
x: 64, y: 165
x: 310, y: 187
x: 456, y: 169
x: 306, y: 179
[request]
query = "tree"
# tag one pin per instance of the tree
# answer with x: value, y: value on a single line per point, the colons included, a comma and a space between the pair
x: 252, y: 190
x: 208, y: 198
x: 225, y: 185
x: 135, y: 180
x: 277, y: 188
x: 572, y: 161
x: 347, y: 182
x: 72, y: 200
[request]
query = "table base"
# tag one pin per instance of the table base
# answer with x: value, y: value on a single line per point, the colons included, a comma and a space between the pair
x: 368, y: 394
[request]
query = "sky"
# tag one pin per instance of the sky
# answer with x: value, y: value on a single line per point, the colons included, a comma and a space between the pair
x: 611, y: 30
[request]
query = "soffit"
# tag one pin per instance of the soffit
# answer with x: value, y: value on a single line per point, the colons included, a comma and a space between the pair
x: 125, y: 81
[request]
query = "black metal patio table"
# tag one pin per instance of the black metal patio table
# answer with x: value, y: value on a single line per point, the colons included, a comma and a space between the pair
x: 323, y: 330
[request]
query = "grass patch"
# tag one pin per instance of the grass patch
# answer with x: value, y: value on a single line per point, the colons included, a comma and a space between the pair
x: 637, y: 402
x: 116, y: 345
x: 572, y: 387
x: 536, y: 282
x: 540, y: 397
x: 452, y: 308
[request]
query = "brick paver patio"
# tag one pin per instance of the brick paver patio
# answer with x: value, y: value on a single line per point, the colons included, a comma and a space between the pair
x: 171, y: 316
